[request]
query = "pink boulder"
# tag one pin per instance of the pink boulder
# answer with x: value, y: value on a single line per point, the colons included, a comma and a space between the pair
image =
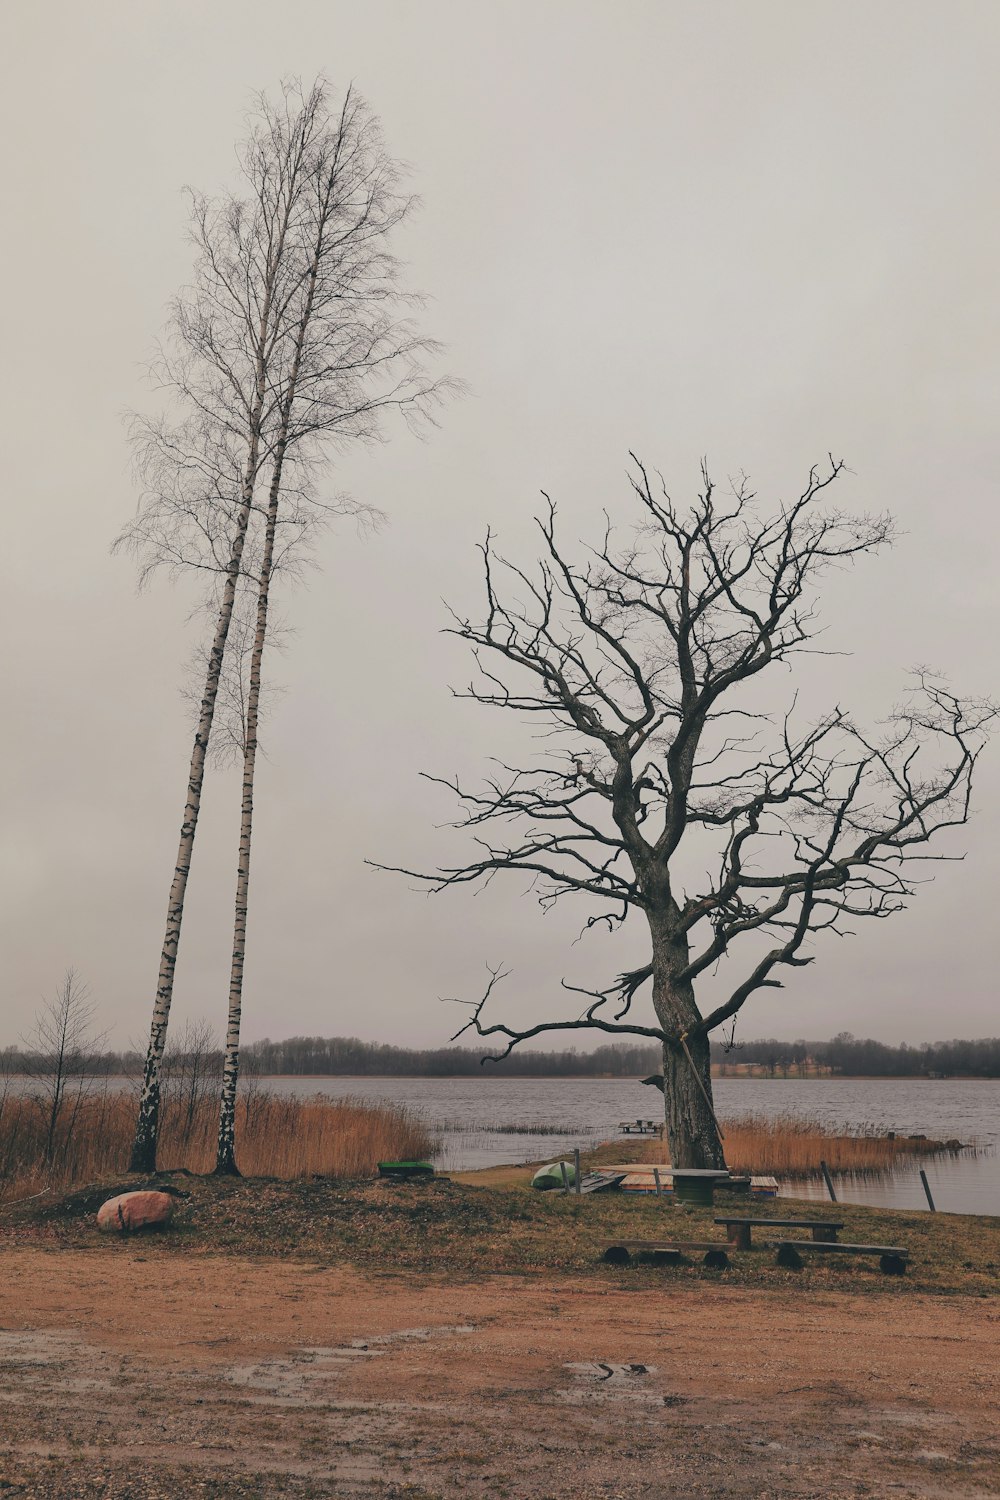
x: 134, y: 1211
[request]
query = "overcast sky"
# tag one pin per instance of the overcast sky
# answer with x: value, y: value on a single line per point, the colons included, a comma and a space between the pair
x: 757, y: 231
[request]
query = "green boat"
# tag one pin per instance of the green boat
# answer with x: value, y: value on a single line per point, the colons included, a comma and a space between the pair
x: 552, y: 1176
x: 403, y: 1169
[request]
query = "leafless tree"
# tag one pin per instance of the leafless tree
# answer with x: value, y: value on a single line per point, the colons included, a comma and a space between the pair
x: 643, y: 669
x: 291, y: 342
x: 62, y: 1048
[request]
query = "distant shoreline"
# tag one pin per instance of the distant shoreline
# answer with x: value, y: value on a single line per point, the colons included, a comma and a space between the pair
x: 318, y: 1078
x: 634, y: 1077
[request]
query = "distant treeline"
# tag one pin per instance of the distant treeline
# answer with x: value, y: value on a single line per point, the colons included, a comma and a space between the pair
x: 864, y: 1058
x: 843, y: 1054
x: 347, y: 1056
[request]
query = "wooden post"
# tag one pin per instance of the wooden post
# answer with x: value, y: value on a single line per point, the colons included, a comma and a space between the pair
x: 927, y: 1190
x: 576, y: 1171
x: 656, y: 1181
x: 739, y: 1236
x: 829, y: 1184
x: 565, y: 1176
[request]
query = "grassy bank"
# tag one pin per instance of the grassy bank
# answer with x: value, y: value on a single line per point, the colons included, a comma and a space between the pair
x: 463, y: 1231
x: 276, y: 1137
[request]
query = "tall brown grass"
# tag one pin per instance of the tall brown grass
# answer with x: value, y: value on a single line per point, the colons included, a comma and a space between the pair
x: 792, y: 1146
x: 276, y: 1136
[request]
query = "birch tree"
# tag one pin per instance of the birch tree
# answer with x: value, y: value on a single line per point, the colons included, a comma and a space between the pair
x: 353, y: 359
x: 643, y: 670
x: 259, y: 370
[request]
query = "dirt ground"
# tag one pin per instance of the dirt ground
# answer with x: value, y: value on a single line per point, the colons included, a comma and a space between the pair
x: 142, y: 1374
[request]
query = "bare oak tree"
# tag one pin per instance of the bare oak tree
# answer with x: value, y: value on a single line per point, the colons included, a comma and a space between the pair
x: 643, y: 669
x: 291, y: 336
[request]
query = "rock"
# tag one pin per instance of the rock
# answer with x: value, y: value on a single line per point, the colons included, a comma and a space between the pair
x: 130, y: 1211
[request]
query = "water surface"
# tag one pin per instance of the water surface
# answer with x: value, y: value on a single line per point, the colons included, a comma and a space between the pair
x: 568, y: 1112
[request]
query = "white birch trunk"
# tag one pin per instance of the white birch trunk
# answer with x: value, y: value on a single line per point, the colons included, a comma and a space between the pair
x: 147, y: 1125
x: 226, y: 1150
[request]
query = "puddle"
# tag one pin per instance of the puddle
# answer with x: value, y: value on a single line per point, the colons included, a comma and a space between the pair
x: 445, y: 1329
x: 40, y: 1356
x: 900, y: 1417
x: 298, y: 1379
x: 598, y: 1380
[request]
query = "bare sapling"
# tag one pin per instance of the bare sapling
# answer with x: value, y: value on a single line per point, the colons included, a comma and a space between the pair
x: 62, y: 1056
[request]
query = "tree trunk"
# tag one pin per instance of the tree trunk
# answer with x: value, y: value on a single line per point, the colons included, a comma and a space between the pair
x: 148, y: 1123
x: 692, y: 1133
x: 225, y: 1158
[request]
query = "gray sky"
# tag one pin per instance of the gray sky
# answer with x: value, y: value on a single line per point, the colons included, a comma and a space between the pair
x: 756, y: 231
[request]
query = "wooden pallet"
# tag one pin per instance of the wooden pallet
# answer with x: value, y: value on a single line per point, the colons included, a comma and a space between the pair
x: 638, y: 1178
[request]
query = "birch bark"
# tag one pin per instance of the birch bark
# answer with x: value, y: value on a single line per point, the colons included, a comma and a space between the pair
x: 226, y: 1149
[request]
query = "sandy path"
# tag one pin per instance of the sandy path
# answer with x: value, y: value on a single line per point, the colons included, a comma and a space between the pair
x: 137, y: 1374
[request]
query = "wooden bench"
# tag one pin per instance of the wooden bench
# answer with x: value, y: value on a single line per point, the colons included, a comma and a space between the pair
x: 738, y: 1230
x: 639, y: 1127
x: 892, y: 1258
x: 666, y: 1252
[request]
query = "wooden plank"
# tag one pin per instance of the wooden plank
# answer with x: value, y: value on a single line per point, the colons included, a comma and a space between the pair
x: 780, y: 1223
x: 663, y: 1167
x: 829, y: 1246
x: 702, y: 1173
x: 739, y: 1229
x: 654, y: 1245
x: 893, y: 1259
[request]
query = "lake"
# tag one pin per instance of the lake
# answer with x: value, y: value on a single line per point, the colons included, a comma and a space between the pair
x: 482, y: 1122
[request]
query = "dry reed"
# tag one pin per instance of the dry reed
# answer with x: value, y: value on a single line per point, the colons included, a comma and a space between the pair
x: 276, y: 1136
x: 792, y: 1146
